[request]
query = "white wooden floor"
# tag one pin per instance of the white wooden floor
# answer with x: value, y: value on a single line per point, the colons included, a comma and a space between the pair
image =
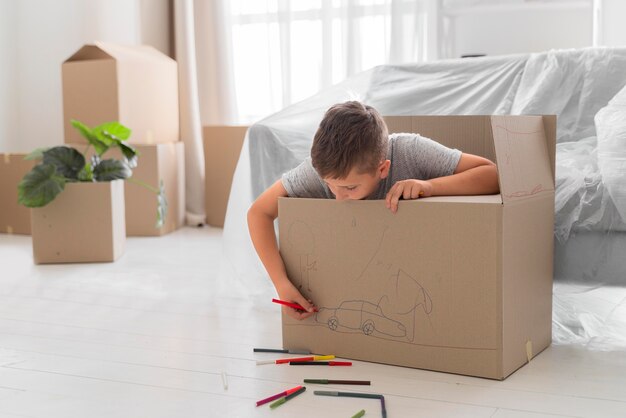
x: 146, y: 337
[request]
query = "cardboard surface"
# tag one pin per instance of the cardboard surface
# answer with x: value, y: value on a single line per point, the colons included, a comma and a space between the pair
x: 155, y: 162
x: 14, y: 218
x: 222, y: 146
x: 459, y: 284
x: 85, y: 223
x: 135, y: 85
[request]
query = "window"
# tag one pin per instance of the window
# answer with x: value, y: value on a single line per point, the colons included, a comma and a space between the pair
x: 285, y: 51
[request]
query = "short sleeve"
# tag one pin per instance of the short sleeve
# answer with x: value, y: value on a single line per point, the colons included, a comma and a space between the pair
x: 422, y: 158
x: 303, y: 181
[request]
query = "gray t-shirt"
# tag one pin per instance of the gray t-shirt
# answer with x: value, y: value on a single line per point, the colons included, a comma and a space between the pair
x: 412, y: 157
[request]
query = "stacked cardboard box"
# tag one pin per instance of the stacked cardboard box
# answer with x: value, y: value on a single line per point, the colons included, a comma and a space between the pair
x: 137, y: 86
x: 460, y: 284
x: 95, y: 231
x: 14, y: 218
x: 222, y: 146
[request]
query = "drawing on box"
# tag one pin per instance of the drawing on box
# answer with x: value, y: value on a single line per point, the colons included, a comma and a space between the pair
x: 360, y: 316
x: 301, y: 238
x: 405, y: 305
x: 396, y: 320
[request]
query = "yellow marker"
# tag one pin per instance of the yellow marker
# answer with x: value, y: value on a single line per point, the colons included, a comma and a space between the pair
x: 287, y: 360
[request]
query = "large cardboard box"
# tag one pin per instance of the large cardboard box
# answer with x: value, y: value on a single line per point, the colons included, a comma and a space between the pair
x: 222, y: 146
x: 157, y: 162
x: 459, y: 284
x: 135, y: 85
x: 14, y: 218
x: 84, y: 223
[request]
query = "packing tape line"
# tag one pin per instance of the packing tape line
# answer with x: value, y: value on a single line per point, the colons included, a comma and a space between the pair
x: 529, y: 350
x: 9, y: 229
x: 7, y: 158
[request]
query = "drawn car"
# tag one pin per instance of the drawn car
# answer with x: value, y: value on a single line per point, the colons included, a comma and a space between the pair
x: 359, y: 315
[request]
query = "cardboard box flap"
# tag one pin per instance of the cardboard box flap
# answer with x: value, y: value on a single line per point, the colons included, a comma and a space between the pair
x: 522, y: 156
x: 130, y: 52
x: 104, y: 50
x: 89, y: 52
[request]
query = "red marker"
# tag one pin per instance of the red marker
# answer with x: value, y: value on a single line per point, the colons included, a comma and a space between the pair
x: 278, y: 395
x: 291, y: 305
x: 287, y: 360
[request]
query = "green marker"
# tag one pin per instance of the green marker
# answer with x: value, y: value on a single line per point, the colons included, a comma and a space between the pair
x: 348, y: 394
x: 359, y: 414
x: 286, y: 398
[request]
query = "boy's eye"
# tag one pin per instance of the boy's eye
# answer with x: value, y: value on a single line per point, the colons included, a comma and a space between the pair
x: 350, y: 188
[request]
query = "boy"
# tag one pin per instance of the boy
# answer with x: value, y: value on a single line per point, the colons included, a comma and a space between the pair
x: 353, y: 157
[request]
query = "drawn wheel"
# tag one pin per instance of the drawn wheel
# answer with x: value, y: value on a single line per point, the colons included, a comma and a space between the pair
x: 333, y: 323
x: 368, y: 328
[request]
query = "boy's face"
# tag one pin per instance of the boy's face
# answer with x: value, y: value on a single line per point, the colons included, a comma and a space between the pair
x: 357, y: 186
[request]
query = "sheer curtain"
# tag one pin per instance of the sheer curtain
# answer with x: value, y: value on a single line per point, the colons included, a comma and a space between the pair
x: 256, y: 57
x: 278, y: 52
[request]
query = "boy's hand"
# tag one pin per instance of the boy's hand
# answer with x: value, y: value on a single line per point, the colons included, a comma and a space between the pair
x: 407, y: 189
x: 289, y: 293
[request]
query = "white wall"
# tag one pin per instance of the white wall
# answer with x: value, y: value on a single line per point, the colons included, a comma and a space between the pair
x: 36, y: 37
x: 8, y: 73
x: 613, y: 27
x: 517, y: 27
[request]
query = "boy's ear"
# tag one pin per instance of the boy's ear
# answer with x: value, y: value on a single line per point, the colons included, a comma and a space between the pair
x: 383, y: 168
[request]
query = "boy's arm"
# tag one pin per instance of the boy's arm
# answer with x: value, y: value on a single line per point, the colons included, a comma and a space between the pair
x: 261, y: 216
x: 474, y: 175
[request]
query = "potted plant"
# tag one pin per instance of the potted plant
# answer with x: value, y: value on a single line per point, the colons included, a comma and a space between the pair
x: 85, y: 223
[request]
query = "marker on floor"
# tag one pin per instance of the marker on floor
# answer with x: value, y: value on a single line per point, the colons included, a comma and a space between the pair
x: 288, y: 360
x: 337, y: 382
x: 278, y: 395
x: 356, y: 395
x: 320, y: 363
x: 278, y: 350
x: 286, y: 398
x: 359, y: 414
x: 224, y: 381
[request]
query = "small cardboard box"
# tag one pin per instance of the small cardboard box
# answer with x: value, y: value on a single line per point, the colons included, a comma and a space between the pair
x: 460, y: 284
x: 135, y: 85
x: 155, y: 163
x: 14, y: 218
x: 85, y: 223
x: 222, y: 146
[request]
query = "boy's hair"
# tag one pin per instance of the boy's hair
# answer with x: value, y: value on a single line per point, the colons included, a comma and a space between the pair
x: 351, y: 135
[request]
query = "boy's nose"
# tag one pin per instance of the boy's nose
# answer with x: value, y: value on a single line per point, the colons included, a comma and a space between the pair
x: 341, y: 196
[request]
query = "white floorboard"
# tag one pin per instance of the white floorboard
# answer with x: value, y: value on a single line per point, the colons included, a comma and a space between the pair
x: 147, y: 336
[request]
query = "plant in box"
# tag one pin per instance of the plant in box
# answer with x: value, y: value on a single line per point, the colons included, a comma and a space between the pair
x: 61, y: 165
x: 64, y: 168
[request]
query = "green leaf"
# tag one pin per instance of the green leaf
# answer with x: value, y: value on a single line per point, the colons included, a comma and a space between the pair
x: 113, y: 131
x: 86, y: 174
x: 40, y: 186
x: 130, y: 153
x: 36, y: 154
x: 161, y: 206
x: 111, y: 169
x: 67, y: 161
x: 100, y: 146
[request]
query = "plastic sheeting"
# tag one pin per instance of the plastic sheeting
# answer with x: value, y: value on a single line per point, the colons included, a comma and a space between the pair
x: 576, y: 85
